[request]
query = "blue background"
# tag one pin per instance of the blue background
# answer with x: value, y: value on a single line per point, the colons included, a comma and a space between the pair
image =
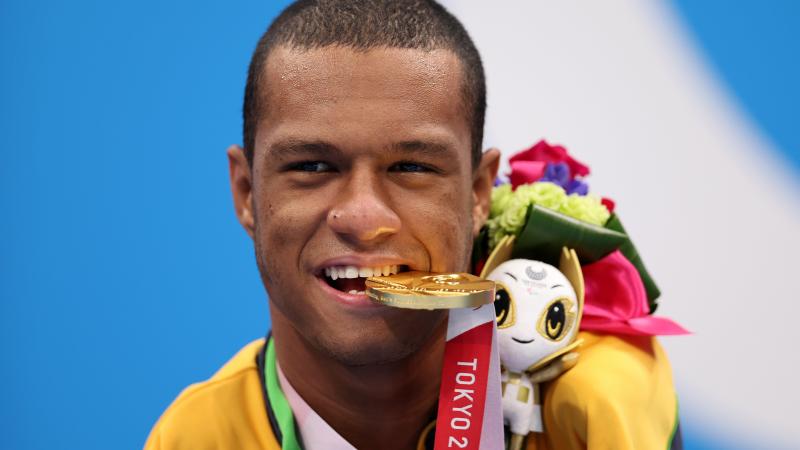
x: 754, y: 47
x: 124, y: 274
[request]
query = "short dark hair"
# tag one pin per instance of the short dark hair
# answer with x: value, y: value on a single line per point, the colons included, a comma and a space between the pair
x: 363, y: 25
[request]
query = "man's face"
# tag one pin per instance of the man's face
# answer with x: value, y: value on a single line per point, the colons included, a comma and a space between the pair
x: 361, y: 164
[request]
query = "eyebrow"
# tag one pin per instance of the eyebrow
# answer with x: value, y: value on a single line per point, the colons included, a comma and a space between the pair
x: 556, y: 285
x: 318, y: 148
x: 512, y: 276
x: 424, y: 147
x: 294, y: 147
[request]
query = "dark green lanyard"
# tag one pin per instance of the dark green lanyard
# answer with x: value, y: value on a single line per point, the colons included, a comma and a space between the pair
x: 277, y: 401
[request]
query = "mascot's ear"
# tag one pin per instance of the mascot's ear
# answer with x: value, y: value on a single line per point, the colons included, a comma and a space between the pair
x: 500, y: 254
x: 571, y: 268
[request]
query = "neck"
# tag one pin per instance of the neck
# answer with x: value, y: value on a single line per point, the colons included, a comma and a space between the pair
x: 381, y: 406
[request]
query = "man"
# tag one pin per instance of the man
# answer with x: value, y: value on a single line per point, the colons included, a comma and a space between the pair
x: 363, y: 124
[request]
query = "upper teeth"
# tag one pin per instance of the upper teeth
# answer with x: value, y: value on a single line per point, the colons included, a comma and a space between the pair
x: 336, y: 272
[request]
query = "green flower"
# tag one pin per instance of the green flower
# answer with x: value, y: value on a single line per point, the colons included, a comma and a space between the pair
x: 586, y: 208
x: 501, y: 196
x: 545, y: 194
x: 509, y: 208
x: 513, y: 218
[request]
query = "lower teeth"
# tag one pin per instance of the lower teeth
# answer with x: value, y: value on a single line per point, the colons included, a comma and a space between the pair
x: 353, y: 291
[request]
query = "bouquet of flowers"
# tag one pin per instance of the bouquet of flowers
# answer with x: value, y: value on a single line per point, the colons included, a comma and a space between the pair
x: 546, y: 205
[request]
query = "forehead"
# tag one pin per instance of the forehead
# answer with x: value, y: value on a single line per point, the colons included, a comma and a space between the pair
x: 374, y: 92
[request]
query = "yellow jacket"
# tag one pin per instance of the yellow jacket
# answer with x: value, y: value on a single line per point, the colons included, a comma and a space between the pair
x: 619, y: 396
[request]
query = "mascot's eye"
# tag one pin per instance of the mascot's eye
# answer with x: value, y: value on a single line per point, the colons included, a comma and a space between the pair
x: 556, y: 320
x: 503, y: 307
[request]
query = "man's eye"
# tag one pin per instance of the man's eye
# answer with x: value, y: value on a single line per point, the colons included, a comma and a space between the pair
x: 406, y: 166
x: 310, y: 166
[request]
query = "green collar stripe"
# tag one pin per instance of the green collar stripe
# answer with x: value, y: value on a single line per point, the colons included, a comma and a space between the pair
x: 674, y: 444
x: 277, y: 401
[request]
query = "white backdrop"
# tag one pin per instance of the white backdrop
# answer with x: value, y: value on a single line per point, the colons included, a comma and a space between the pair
x: 715, y: 216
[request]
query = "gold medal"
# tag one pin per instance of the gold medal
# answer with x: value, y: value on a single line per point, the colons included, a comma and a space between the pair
x: 425, y: 290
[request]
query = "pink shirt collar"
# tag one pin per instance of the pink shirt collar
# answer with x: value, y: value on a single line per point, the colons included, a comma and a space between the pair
x: 315, y: 432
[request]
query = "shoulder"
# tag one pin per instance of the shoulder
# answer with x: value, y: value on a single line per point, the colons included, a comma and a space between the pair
x: 619, y: 395
x: 618, y: 364
x: 225, y: 411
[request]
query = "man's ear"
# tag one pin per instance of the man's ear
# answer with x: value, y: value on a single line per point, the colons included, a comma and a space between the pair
x: 483, y: 181
x: 241, y: 187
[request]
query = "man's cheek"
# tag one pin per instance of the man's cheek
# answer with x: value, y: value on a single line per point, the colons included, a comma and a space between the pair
x: 288, y: 220
x: 280, y: 232
x: 449, y: 242
x: 456, y: 235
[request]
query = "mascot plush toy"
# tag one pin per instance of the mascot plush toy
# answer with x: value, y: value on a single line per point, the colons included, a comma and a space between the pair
x: 538, y: 309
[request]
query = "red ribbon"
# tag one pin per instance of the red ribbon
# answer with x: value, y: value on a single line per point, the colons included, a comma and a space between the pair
x: 462, y: 395
x: 616, y: 301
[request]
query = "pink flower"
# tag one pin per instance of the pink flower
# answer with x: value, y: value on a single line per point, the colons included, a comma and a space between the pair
x: 526, y: 172
x: 529, y: 165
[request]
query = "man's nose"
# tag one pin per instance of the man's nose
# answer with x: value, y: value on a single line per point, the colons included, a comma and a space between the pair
x: 362, y: 213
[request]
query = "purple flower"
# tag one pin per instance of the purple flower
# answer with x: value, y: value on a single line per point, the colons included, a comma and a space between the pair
x: 557, y: 173
x: 577, y: 186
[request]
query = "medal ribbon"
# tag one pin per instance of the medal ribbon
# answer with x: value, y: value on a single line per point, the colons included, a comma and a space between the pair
x: 470, y: 411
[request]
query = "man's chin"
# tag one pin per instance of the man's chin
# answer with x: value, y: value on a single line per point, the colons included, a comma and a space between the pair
x: 368, y: 346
